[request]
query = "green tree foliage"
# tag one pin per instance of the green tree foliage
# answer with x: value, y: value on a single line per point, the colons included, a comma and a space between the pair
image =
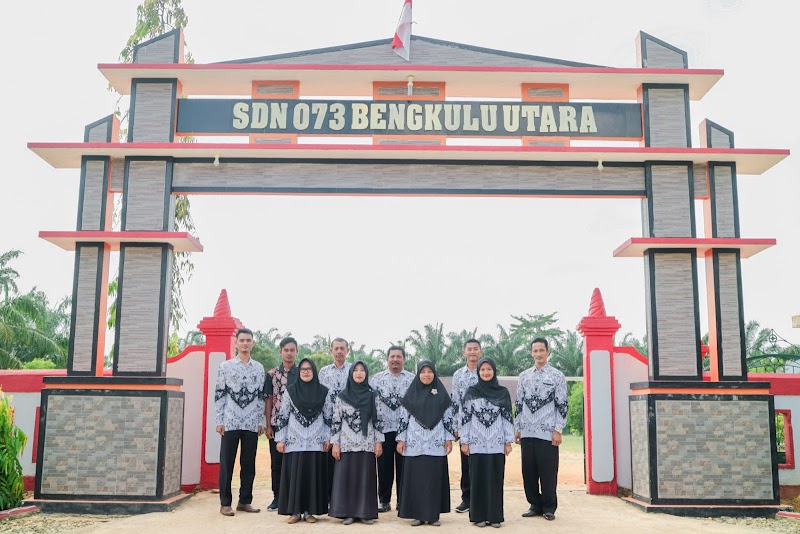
x: 567, y: 354
x: 629, y: 340
x: 39, y: 363
x: 12, y: 443
x: 30, y: 327
x: 575, y: 410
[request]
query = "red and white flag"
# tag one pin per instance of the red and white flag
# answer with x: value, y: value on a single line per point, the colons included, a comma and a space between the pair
x: 401, y: 44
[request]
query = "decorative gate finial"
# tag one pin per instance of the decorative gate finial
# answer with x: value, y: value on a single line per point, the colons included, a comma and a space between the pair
x: 597, y: 307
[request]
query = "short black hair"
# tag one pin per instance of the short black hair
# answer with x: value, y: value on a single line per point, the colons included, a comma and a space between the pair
x: 471, y: 340
x: 289, y: 339
x: 396, y: 347
x: 244, y: 331
x: 540, y: 340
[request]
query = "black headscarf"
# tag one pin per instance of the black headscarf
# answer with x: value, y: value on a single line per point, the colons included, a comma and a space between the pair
x: 426, y: 403
x: 491, y: 390
x: 361, y: 397
x: 308, y: 397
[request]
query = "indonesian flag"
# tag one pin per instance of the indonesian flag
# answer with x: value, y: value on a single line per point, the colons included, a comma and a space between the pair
x: 401, y: 44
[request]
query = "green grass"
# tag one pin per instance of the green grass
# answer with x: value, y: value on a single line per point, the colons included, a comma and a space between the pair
x: 572, y: 443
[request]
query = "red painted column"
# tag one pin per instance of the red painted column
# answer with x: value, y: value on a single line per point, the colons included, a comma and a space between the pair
x: 220, y: 333
x: 598, y: 330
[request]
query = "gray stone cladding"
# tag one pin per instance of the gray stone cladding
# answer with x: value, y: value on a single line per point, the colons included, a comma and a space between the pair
x: 714, y: 449
x: 720, y: 139
x: 410, y: 178
x: 675, y: 315
x: 667, y: 117
x: 174, y: 450
x: 671, y: 201
x: 728, y: 294
x: 99, y: 133
x: 724, y: 205
x: 101, y: 445
x: 146, y: 194
x: 661, y: 57
x: 84, y: 329
x: 93, y: 197
x: 139, y: 320
x: 640, y: 450
x: 152, y: 110
x: 158, y: 50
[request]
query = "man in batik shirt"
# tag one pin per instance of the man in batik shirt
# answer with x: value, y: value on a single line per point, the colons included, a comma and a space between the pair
x: 390, y: 386
x: 462, y: 380
x: 279, y: 378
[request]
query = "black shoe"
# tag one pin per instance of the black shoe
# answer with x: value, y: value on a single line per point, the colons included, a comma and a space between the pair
x: 273, y: 506
x: 463, y: 507
x: 549, y: 516
x: 384, y: 507
x: 530, y: 512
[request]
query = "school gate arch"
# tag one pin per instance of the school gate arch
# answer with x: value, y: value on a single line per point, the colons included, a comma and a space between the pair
x: 410, y: 111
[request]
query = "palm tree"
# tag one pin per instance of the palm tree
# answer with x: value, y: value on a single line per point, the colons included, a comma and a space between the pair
x: 628, y: 340
x: 430, y: 344
x: 567, y: 354
x: 527, y: 327
x: 8, y: 276
x: 22, y: 321
x: 509, y: 352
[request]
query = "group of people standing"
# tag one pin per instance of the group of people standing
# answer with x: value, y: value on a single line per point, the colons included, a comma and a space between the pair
x: 326, y: 429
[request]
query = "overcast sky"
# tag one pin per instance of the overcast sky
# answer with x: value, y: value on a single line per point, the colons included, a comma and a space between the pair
x: 372, y: 269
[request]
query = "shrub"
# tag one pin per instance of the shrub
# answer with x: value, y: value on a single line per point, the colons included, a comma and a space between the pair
x: 575, y: 412
x: 12, y: 442
x: 39, y: 363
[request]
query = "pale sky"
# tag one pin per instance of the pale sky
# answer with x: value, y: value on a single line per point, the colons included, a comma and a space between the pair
x: 372, y: 269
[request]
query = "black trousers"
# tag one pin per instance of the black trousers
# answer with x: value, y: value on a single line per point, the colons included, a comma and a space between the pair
x: 540, y: 468
x: 331, y: 467
x: 388, y: 462
x: 466, y: 491
x: 247, y: 463
x: 276, y: 462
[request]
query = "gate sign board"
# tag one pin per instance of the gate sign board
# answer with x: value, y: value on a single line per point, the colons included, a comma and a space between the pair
x: 352, y: 117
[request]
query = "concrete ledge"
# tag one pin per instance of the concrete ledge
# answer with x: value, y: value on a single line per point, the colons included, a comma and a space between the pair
x: 17, y: 511
x: 120, y: 507
x: 709, y: 510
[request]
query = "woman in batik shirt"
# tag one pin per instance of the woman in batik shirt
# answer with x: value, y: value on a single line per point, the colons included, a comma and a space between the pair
x: 487, y: 432
x: 303, y: 436
x: 356, y: 441
x: 425, y: 438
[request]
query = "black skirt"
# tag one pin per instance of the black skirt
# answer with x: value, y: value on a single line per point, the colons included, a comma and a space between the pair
x: 304, y: 484
x: 486, y: 475
x: 425, y: 491
x: 355, y: 487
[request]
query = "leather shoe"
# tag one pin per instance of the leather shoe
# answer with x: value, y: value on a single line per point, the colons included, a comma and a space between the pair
x: 384, y: 507
x: 247, y: 508
x: 530, y: 512
x: 348, y: 521
x: 549, y: 516
x: 293, y: 519
x: 309, y: 518
x: 226, y: 510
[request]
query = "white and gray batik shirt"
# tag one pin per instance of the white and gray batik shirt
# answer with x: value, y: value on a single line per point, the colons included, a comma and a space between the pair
x: 390, y: 390
x: 541, y: 405
x: 343, y: 433
x: 239, y: 395
x: 486, y: 428
x: 301, y: 434
x: 335, y: 378
x: 423, y: 442
x: 462, y: 380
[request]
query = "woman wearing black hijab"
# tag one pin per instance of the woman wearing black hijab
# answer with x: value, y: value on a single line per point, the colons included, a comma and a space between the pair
x: 487, y: 432
x: 424, y: 438
x: 303, y: 436
x: 356, y: 441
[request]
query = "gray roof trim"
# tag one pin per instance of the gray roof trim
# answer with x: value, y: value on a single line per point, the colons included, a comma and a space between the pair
x: 366, y: 44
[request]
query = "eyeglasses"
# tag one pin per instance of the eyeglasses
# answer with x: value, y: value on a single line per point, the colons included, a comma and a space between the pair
x: 306, y: 370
